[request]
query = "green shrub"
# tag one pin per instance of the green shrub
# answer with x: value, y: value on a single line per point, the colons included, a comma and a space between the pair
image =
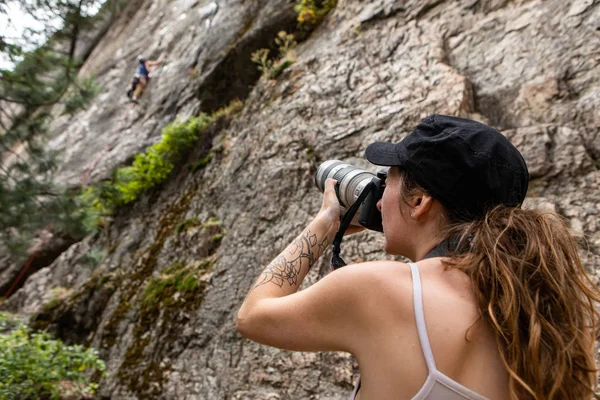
x: 36, y: 366
x: 148, y: 169
x: 155, y: 165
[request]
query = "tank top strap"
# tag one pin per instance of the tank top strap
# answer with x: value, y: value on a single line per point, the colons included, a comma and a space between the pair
x: 420, y: 318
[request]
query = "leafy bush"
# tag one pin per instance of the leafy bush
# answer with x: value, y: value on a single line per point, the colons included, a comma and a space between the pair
x: 154, y: 166
x: 35, y: 366
x: 149, y: 168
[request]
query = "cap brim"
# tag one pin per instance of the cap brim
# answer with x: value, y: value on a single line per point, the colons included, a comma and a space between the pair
x: 383, y: 153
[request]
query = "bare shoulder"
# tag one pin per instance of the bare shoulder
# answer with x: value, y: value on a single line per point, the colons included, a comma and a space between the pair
x: 380, y: 285
x: 448, y: 298
x: 374, y: 272
x: 444, y: 282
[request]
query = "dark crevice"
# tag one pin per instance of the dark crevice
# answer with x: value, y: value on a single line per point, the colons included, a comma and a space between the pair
x: 492, y: 107
x: 234, y: 76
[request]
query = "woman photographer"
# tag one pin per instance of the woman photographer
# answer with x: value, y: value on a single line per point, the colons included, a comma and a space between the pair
x: 497, y: 304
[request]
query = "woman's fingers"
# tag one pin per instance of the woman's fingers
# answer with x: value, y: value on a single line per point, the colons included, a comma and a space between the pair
x: 331, y: 206
x: 330, y: 184
x: 329, y: 196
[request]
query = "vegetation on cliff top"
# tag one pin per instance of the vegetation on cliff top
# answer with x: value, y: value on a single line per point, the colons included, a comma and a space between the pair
x: 151, y: 167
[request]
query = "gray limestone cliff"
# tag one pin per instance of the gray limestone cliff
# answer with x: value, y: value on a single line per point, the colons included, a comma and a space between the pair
x: 368, y: 73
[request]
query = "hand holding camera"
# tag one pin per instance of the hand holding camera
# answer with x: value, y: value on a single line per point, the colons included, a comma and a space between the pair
x: 353, y: 184
x: 331, y: 209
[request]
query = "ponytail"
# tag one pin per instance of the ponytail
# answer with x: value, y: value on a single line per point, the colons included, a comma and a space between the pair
x: 533, y: 291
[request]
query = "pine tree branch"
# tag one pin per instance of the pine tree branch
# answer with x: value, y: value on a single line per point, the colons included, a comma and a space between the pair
x: 75, y: 34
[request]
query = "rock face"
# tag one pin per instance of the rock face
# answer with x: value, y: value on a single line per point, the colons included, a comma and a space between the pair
x: 370, y: 72
x: 208, y: 46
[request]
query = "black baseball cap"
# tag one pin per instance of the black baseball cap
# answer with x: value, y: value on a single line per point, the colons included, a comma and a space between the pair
x: 466, y: 165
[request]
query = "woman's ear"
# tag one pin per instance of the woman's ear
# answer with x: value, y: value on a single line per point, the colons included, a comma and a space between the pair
x: 420, y: 206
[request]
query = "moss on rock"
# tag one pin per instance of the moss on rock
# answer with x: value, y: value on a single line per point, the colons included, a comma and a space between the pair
x: 166, y: 300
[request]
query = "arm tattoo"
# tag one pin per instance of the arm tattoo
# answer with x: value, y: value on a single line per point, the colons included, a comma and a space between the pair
x: 281, y: 269
x: 323, y: 246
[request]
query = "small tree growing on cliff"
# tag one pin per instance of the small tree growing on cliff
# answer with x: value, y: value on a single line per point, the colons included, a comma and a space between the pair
x: 39, y: 72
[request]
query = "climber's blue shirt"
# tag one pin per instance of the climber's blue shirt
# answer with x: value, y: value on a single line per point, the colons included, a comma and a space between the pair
x: 141, y: 71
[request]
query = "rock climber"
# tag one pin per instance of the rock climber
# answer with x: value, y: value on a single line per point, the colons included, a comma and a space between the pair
x: 142, y: 76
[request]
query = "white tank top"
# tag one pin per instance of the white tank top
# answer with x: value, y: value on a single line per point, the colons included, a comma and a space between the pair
x: 437, y: 386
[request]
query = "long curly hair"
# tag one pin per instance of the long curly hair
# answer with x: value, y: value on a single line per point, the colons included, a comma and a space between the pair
x: 533, y: 290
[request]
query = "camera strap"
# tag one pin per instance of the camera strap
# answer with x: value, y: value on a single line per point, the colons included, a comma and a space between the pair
x: 336, y: 260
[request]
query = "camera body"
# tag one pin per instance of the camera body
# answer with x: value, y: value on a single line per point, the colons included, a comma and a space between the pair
x: 351, y: 183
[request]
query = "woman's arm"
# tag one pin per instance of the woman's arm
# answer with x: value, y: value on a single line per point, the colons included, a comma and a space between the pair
x: 286, y: 272
x: 313, y: 319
